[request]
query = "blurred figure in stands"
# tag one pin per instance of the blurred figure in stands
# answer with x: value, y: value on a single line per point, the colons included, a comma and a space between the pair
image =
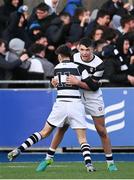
x: 71, y: 6
x: 6, y: 9
x: 53, y: 5
x: 17, y: 26
x: 16, y: 49
x: 120, y: 67
x: 40, y: 67
x: 5, y: 65
x: 103, y: 19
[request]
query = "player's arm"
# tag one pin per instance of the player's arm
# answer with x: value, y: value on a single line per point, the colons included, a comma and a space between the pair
x: 92, y: 84
x: 72, y: 80
x: 88, y: 83
x: 54, y: 82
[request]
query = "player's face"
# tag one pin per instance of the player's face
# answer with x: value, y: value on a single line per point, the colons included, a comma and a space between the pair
x: 86, y: 53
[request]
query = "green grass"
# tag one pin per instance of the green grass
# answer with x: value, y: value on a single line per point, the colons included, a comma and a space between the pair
x: 67, y: 170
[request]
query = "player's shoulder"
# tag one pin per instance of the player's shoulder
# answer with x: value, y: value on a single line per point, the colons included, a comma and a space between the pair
x: 76, y: 57
x: 66, y: 65
x: 98, y: 59
x: 57, y: 66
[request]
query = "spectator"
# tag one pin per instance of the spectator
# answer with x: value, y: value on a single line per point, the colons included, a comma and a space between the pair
x: 58, y: 30
x: 5, y: 65
x: 6, y: 9
x: 16, y: 49
x: 41, y: 16
x: 50, y: 49
x: 71, y: 6
x: 17, y: 26
x: 103, y: 19
x: 97, y: 33
x: 125, y: 25
x: 52, y: 4
x: 78, y: 25
x: 115, y: 7
x: 118, y: 68
x: 40, y: 68
x: 33, y: 31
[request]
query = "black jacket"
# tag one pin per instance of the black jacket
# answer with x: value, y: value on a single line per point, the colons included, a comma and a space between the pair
x: 4, y: 65
x: 57, y: 32
x: 14, y: 31
x: 76, y: 31
x: 5, y: 11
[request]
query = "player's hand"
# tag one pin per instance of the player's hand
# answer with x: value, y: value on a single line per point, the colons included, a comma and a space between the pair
x: 72, y: 80
x: 54, y: 82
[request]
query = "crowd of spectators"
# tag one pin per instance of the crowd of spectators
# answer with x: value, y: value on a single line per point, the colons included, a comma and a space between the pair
x: 28, y: 41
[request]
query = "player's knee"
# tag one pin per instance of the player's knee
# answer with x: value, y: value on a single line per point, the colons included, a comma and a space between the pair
x: 44, y: 133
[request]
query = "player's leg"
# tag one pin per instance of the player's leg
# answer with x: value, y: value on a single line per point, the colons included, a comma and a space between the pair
x: 51, y: 152
x: 99, y: 123
x: 57, y: 118
x: 85, y: 148
x: 34, y: 138
x: 95, y: 108
x: 56, y: 141
x: 78, y: 123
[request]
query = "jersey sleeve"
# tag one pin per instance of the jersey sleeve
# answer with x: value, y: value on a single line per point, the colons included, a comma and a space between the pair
x: 83, y: 72
x: 94, y: 86
x: 99, y: 72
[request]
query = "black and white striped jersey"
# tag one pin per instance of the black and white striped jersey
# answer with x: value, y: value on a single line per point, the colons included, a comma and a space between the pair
x: 64, y: 69
x: 95, y: 67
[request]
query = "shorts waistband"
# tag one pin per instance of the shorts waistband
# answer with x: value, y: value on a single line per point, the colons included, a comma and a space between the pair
x: 73, y: 97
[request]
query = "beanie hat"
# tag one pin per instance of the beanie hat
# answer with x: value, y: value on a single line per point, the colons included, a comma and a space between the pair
x: 35, y: 26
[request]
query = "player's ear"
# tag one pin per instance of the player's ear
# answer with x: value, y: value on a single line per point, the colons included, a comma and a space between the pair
x: 78, y: 47
x: 59, y: 57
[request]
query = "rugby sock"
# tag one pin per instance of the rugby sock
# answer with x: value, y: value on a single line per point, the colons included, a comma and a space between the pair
x: 85, y: 148
x: 109, y: 158
x: 50, y: 154
x: 34, y: 138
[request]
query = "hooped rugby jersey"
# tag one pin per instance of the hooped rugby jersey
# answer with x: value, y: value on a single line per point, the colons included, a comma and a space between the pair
x: 95, y: 69
x: 65, y: 91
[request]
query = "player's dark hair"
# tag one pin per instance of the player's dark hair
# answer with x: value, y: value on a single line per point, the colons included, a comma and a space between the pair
x: 86, y: 42
x: 64, y: 50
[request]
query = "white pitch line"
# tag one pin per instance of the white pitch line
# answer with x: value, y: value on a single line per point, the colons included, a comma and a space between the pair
x: 52, y: 166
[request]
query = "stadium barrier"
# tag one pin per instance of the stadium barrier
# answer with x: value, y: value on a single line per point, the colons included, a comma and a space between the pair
x: 22, y: 112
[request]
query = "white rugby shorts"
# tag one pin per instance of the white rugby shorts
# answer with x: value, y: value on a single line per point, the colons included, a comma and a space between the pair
x: 72, y: 113
x: 94, y: 106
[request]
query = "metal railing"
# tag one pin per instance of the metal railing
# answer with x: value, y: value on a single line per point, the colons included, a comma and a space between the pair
x: 46, y: 83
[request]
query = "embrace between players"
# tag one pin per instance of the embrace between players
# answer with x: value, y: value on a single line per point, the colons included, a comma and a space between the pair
x: 71, y: 104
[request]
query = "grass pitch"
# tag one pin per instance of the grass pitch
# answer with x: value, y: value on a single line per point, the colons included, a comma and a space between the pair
x: 72, y: 170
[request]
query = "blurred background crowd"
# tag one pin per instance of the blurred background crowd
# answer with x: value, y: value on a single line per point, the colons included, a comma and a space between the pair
x: 28, y: 40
